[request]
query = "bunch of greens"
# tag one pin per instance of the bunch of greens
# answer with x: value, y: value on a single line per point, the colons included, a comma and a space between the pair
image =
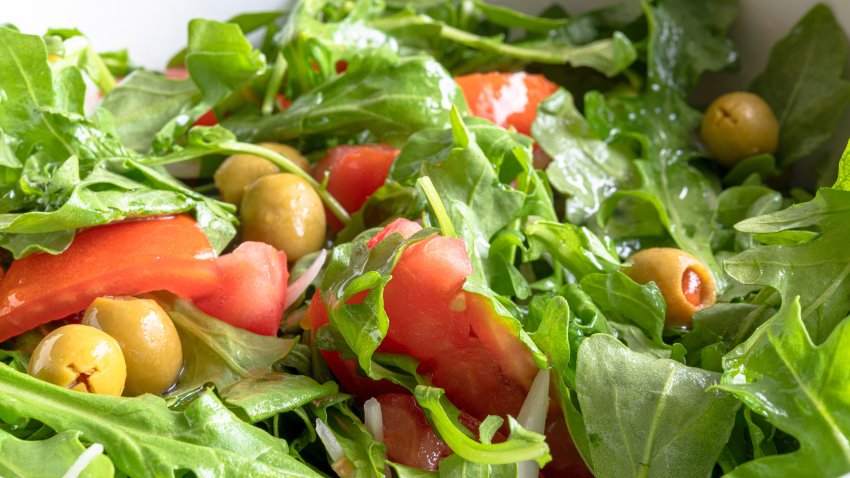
x: 757, y: 387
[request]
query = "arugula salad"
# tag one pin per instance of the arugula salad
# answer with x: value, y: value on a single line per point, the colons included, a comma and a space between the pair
x: 420, y: 238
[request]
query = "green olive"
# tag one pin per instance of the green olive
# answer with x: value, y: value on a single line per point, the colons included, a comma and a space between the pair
x: 737, y: 125
x: 148, y: 338
x: 685, y: 283
x: 285, y: 211
x: 80, y: 358
x: 240, y: 170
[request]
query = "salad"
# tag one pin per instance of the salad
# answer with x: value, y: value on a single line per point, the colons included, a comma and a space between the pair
x: 421, y: 238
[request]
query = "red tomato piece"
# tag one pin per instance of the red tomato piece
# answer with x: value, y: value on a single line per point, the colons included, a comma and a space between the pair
x: 459, y: 340
x: 507, y: 99
x: 125, y: 258
x: 252, y: 288
x: 354, y: 173
x: 403, y: 226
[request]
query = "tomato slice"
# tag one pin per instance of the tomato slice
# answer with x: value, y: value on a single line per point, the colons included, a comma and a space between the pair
x: 402, y: 226
x: 125, y: 258
x: 354, y: 173
x: 252, y: 288
x: 507, y: 99
x: 461, y: 343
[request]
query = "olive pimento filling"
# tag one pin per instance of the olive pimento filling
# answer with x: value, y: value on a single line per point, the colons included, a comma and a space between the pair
x: 692, y: 287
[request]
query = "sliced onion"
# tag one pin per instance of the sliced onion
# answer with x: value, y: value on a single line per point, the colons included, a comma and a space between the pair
x: 532, y: 416
x: 328, y: 438
x: 83, y: 461
x: 299, y: 285
x: 374, y: 418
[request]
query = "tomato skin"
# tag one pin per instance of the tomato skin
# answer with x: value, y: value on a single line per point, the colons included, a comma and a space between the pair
x: 125, y: 258
x: 507, y: 99
x: 462, y: 345
x: 354, y: 173
x: 251, y: 291
x: 402, y: 226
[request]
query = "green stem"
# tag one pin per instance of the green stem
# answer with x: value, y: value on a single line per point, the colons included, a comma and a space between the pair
x: 275, y: 80
x: 279, y: 160
x: 436, y: 204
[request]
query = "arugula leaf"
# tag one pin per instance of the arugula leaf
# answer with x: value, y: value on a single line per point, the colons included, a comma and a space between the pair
x: 53, y: 456
x: 263, y: 394
x: 220, y: 60
x: 576, y: 248
x: 738, y: 203
x: 623, y: 300
x: 144, y: 438
x: 521, y: 445
x: 803, y: 83
x: 364, y: 456
x: 215, y: 351
x: 374, y: 100
x: 647, y: 416
x: 454, y: 466
x: 78, y: 52
x: 145, y: 102
x: 800, y: 388
x: 584, y: 167
x: 821, y: 266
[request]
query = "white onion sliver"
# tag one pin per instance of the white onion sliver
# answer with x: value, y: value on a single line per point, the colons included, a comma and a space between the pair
x: 83, y: 461
x: 332, y: 445
x: 374, y: 418
x: 532, y: 416
x: 299, y: 285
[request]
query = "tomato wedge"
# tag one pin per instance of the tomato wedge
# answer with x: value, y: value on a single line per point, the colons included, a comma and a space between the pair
x: 462, y: 345
x: 252, y: 288
x: 125, y: 258
x: 354, y: 173
x: 507, y: 99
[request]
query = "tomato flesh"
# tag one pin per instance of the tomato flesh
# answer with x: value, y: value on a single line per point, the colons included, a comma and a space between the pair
x: 354, y: 173
x: 506, y: 99
x: 251, y: 291
x: 692, y: 287
x: 125, y: 258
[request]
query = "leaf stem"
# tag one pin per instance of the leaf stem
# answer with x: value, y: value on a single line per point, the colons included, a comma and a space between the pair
x: 436, y: 204
x: 275, y: 80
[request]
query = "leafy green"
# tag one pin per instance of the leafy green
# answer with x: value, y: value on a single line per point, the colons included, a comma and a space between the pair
x: 217, y: 352
x: 647, y: 416
x: 521, y: 444
x: 803, y: 83
x: 576, y: 248
x: 145, y: 102
x: 50, y: 457
x: 374, y: 101
x: 821, y: 266
x: 583, y: 166
x: 263, y: 394
x: 623, y: 300
x: 799, y: 387
x: 144, y: 438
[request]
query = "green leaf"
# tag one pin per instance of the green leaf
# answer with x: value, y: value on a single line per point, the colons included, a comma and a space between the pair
x: 843, y: 181
x: 454, y: 466
x: 576, y: 248
x: 144, y: 438
x: 803, y: 83
x: 373, y: 101
x: 263, y: 394
x: 26, y: 77
x: 687, y: 39
x: 821, y: 266
x: 521, y: 445
x: 623, y: 300
x: 144, y: 102
x: 215, y: 351
x: 583, y: 166
x: 800, y: 388
x: 51, y: 457
x: 647, y: 416
x: 739, y: 203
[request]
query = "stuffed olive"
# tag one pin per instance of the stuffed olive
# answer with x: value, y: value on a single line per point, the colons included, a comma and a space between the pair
x: 80, y: 358
x: 240, y: 170
x: 685, y: 283
x: 285, y: 211
x: 147, y: 337
x: 737, y: 125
